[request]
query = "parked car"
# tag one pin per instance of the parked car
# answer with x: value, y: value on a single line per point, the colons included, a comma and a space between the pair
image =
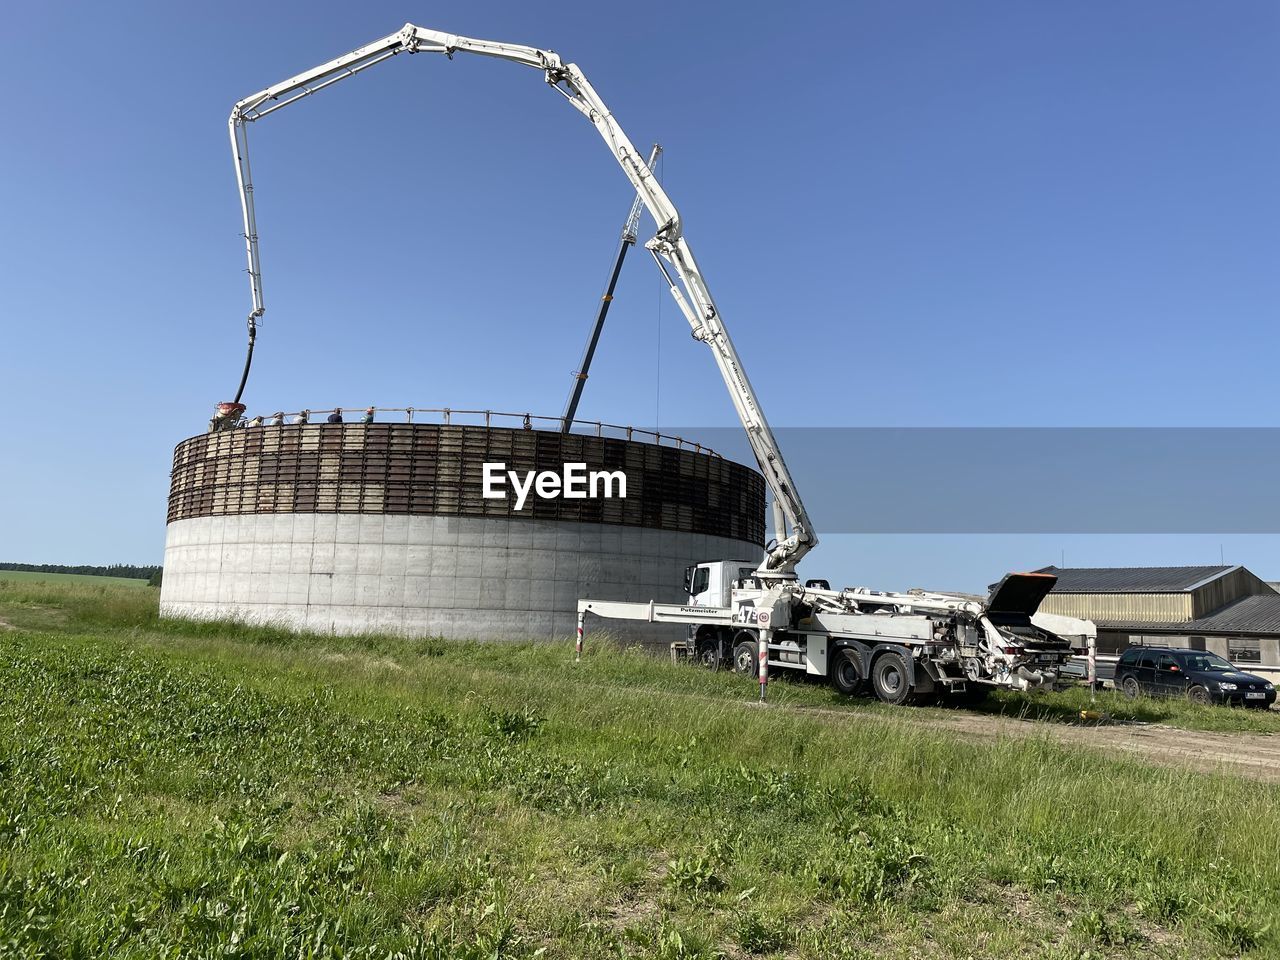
x: 1200, y: 676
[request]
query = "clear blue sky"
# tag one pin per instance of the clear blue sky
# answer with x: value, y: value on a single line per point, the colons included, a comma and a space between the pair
x: 911, y: 213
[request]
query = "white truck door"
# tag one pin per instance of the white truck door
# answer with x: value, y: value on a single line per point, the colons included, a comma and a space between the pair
x: 703, y: 592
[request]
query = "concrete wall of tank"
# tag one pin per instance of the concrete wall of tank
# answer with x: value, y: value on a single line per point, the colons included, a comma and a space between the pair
x: 351, y: 528
x: 427, y: 576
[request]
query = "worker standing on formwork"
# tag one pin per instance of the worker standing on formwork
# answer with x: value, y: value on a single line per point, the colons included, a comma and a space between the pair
x: 226, y: 416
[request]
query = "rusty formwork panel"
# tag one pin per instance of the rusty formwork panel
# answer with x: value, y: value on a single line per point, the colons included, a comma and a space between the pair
x: 436, y: 469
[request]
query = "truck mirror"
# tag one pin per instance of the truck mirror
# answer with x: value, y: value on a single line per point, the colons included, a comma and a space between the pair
x: 688, y: 578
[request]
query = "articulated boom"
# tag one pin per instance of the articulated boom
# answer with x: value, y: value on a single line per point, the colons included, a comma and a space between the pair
x: 668, y: 246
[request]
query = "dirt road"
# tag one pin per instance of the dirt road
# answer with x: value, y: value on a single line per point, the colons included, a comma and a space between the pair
x: 1254, y: 755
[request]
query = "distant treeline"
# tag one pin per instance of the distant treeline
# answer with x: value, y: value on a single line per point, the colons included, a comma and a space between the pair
x: 126, y: 571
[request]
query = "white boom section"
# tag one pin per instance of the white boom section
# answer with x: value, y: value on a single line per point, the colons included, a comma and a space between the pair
x: 655, y: 612
x: 828, y: 601
x: 688, y: 288
x: 632, y: 226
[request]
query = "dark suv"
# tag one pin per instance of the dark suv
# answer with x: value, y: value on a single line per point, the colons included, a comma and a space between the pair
x: 1203, y: 677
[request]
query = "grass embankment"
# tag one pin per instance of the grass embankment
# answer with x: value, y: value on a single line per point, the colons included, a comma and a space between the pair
x: 202, y: 789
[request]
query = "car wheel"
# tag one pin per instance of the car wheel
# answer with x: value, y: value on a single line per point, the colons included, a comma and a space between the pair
x: 1129, y: 687
x: 889, y: 678
x: 845, y: 676
x: 744, y: 658
x: 1200, y: 695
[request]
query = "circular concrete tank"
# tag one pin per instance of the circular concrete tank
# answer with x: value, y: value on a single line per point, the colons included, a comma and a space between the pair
x: 352, y: 528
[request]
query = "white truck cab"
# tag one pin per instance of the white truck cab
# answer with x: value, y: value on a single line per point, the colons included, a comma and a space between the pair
x: 711, y: 584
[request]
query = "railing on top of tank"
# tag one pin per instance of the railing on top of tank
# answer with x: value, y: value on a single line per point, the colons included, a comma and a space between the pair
x: 447, y: 415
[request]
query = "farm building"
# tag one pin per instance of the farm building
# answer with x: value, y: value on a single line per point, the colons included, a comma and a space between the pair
x: 1225, y: 609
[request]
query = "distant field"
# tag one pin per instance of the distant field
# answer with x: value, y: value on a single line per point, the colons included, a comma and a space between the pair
x: 182, y: 789
x: 70, y: 578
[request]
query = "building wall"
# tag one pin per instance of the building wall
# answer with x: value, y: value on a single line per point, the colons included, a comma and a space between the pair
x: 1122, y: 607
x: 1222, y: 590
x: 425, y: 469
x: 1243, y: 651
x: 428, y: 576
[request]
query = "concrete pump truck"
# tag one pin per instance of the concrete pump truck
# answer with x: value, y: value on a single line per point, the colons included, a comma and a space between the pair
x: 752, y: 615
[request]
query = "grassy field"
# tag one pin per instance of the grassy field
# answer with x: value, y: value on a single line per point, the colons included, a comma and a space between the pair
x: 64, y: 578
x: 201, y: 790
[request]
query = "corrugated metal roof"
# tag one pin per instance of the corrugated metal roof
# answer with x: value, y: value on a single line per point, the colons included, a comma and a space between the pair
x: 1255, y: 614
x: 1132, y: 579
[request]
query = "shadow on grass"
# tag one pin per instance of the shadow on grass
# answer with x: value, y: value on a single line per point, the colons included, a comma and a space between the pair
x: 1066, y: 706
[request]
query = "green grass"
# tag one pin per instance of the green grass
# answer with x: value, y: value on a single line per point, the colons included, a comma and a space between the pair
x: 1065, y: 707
x: 201, y: 790
x: 60, y: 578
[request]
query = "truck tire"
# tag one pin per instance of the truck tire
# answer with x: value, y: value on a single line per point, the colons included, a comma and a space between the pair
x: 889, y: 678
x: 707, y: 654
x: 845, y: 675
x: 744, y: 658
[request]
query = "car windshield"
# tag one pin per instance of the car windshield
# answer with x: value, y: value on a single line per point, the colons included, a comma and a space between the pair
x: 1207, y: 661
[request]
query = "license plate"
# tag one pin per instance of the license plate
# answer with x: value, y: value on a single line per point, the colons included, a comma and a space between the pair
x: 1255, y: 696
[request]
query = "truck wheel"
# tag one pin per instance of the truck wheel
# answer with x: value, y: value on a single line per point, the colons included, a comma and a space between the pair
x: 889, y: 678
x: 1200, y: 695
x: 1129, y: 687
x: 709, y: 654
x: 845, y: 676
x: 744, y: 658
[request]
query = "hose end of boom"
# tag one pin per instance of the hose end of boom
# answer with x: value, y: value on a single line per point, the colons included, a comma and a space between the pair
x: 248, y: 360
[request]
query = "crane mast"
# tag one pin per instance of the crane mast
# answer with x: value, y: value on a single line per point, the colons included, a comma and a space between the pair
x: 625, y: 243
x: 794, y: 536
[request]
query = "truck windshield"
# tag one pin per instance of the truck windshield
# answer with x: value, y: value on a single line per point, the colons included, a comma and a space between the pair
x: 1208, y: 661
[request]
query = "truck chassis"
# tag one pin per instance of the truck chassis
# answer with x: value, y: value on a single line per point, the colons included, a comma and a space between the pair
x: 913, y: 647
